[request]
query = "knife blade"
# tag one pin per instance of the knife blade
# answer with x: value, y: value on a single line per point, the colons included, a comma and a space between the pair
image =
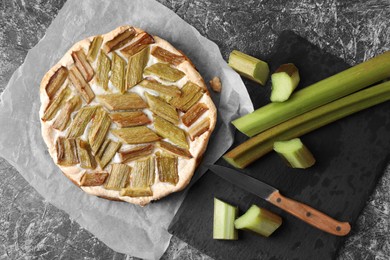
x: 300, y: 210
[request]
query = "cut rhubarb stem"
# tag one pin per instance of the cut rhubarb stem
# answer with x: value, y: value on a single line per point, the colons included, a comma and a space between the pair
x: 284, y: 81
x: 167, y: 168
x: 261, y: 144
x: 249, y: 67
x: 224, y: 216
x: 318, y: 94
x: 94, y: 48
x: 259, y: 221
x: 295, y: 153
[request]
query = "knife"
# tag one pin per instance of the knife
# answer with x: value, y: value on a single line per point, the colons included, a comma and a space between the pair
x: 302, y: 211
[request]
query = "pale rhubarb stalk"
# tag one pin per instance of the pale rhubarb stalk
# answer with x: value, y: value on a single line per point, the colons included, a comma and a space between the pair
x: 136, y: 153
x: 199, y: 129
x: 162, y: 108
x: 93, y: 178
x: 165, y: 72
x: 136, y: 135
x: 126, y: 101
x: 66, y: 152
x: 56, y: 81
x: 94, y: 48
x: 106, y: 152
x: 167, y: 168
x: 119, y: 177
x: 103, y: 70
x: 118, y: 66
x: 284, y: 80
x: 174, y: 150
x: 295, y: 153
x: 193, y: 114
x: 142, y: 174
x: 98, y: 130
x: 167, y: 130
x: 87, y: 161
x: 318, y: 94
x: 261, y: 144
x: 135, y: 68
x: 224, y: 216
x: 81, y: 85
x: 136, y: 192
x: 191, y: 94
x: 131, y: 118
x: 249, y: 67
x: 215, y: 84
x: 63, y: 119
x: 143, y: 40
x: 258, y: 220
x: 81, y: 62
x: 102, y: 149
x: 119, y: 40
x: 56, y: 104
x: 167, y: 56
x: 168, y: 90
x: 79, y: 123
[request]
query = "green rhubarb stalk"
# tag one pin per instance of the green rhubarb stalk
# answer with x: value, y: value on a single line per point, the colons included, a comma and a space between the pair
x: 318, y: 94
x: 295, y: 153
x: 259, y: 221
x: 284, y: 81
x: 224, y: 216
x: 261, y: 144
x: 249, y: 67
x: 94, y: 48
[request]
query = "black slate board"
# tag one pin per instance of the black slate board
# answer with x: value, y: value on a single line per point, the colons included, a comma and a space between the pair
x: 351, y: 155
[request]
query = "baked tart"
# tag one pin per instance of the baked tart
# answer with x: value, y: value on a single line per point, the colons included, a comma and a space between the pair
x: 126, y: 116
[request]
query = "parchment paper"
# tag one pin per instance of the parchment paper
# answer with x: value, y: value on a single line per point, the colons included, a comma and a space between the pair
x: 126, y: 228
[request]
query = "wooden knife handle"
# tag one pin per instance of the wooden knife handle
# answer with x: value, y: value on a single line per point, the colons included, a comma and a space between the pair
x: 310, y: 215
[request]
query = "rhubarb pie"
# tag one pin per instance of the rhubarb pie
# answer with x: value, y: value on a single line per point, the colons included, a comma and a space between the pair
x: 126, y: 116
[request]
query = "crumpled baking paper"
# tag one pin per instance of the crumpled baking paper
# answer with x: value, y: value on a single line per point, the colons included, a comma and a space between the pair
x: 126, y: 228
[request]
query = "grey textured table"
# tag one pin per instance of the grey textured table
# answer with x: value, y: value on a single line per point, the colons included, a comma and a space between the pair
x: 31, y: 228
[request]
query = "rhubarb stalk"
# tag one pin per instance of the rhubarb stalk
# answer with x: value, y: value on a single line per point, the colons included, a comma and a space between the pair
x: 261, y: 144
x: 284, y: 81
x: 259, y: 221
x: 295, y: 153
x: 318, y: 94
x: 249, y: 67
x: 224, y: 216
